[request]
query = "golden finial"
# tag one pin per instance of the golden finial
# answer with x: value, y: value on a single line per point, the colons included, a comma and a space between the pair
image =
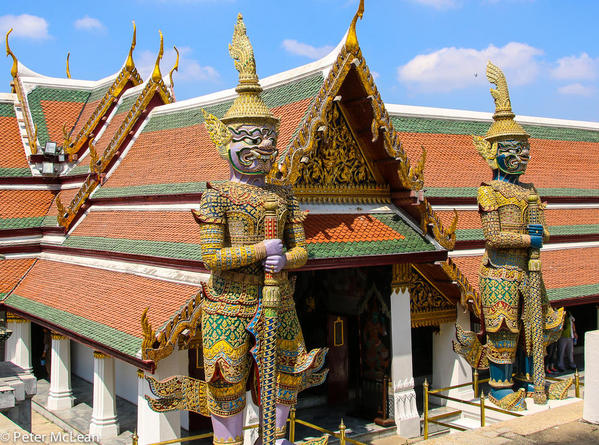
x: 68, y: 68
x: 248, y: 107
x: 174, y: 68
x: 504, y: 124
x: 156, y: 75
x: 15, y: 64
x: 242, y: 53
x: 129, y: 65
x: 351, y: 43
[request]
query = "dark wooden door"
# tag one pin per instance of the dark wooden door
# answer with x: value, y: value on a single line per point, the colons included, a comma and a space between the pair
x: 338, y: 359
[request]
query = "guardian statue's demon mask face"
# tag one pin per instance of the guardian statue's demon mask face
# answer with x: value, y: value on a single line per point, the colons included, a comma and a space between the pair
x: 252, y: 150
x: 513, y: 156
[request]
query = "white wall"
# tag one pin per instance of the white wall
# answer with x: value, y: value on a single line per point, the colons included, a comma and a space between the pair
x: 82, y: 361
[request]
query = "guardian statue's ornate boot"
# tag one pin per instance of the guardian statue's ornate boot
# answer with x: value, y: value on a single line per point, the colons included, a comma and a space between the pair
x: 524, y: 376
x: 502, y: 393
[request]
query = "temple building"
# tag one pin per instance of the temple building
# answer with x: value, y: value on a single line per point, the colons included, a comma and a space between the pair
x: 100, y: 248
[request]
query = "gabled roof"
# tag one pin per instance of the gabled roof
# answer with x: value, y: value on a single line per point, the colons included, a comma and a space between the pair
x: 13, y: 160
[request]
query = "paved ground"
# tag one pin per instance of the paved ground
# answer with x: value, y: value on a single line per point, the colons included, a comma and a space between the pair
x: 562, y: 425
x: 42, y: 431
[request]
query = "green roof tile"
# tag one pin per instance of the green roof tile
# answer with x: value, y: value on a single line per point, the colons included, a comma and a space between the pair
x: 106, y: 335
x: 273, y: 97
x: 14, y: 171
x: 79, y: 170
x: 151, y: 189
x: 446, y: 126
x: 471, y: 192
x: 21, y: 223
x: 581, y: 229
x: 7, y: 110
x: 564, y: 293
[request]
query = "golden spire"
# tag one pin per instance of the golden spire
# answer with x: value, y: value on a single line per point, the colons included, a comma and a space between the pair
x: 156, y: 74
x: 174, y: 68
x: 129, y: 65
x: 15, y: 64
x: 504, y: 124
x: 351, y: 43
x: 248, y: 107
x: 68, y: 68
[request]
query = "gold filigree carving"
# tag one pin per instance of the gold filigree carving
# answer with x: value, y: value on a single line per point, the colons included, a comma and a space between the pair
x: 401, y: 275
x: 469, y: 297
x: 180, y: 330
x: 428, y: 306
x: 446, y: 237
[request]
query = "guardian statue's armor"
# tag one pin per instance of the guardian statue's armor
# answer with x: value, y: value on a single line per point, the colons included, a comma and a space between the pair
x: 232, y: 218
x: 508, y: 315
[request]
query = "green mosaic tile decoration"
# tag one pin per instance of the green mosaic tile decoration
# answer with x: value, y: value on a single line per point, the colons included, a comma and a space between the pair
x: 101, y: 333
x: 565, y: 293
x: 446, y: 126
x: 39, y: 94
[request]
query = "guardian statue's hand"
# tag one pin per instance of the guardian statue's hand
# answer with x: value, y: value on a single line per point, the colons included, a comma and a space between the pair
x: 275, y: 263
x: 536, y: 235
x: 273, y: 247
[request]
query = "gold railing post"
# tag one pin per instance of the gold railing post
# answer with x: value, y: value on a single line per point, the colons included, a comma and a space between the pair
x: 577, y: 384
x: 134, y: 437
x: 482, y: 409
x: 475, y: 382
x: 342, y: 433
x: 292, y: 425
x: 425, y: 404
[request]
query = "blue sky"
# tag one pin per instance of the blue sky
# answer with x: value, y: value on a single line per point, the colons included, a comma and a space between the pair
x: 424, y: 52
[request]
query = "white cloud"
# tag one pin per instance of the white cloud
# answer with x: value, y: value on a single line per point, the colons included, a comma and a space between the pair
x: 25, y: 25
x: 88, y: 23
x: 189, y: 69
x: 454, y: 68
x: 577, y: 89
x: 576, y: 67
x: 303, y: 49
x: 438, y: 4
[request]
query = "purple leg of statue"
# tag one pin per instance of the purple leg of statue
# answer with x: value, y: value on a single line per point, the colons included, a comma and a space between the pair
x: 282, y: 414
x: 228, y: 428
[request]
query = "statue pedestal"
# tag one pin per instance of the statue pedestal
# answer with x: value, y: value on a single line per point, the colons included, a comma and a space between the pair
x: 591, y: 377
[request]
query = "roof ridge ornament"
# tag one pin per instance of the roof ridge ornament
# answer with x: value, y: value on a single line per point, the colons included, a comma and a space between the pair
x: 156, y: 74
x: 129, y: 64
x: 68, y: 67
x: 15, y: 63
x: 351, y: 43
x: 174, y: 68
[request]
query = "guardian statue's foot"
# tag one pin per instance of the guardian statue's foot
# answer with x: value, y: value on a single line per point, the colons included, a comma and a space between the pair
x: 509, y: 400
x: 559, y: 390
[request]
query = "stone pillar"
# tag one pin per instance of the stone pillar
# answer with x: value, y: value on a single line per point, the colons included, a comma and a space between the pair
x: 590, y: 412
x: 104, y: 424
x: 60, y: 395
x: 407, y: 418
x: 449, y: 368
x: 152, y: 426
x: 18, y: 345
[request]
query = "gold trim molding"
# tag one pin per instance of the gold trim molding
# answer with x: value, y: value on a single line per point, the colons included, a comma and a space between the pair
x: 469, y: 297
x: 57, y: 336
x: 13, y: 318
x: 100, y: 355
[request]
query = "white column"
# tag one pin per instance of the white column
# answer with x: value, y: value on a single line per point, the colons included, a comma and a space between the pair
x: 18, y: 345
x: 104, y: 423
x: 406, y: 414
x: 590, y: 412
x: 60, y: 395
x: 449, y: 368
x: 153, y: 426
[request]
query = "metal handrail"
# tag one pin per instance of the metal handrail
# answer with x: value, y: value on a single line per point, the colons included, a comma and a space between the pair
x: 475, y: 384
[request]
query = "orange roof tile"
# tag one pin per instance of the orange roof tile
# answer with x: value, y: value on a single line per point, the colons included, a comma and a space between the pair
x: 25, y: 203
x: 173, y: 226
x: 347, y: 228
x: 12, y: 153
x: 87, y: 111
x: 111, y: 298
x: 452, y: 161
x: 11, y: 272
x: 59, y: 114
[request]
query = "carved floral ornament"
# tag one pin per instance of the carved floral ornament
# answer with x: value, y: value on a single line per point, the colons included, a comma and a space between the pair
x: 428, y: 306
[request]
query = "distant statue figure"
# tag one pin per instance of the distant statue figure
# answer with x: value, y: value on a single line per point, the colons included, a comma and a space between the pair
x: 516, y: 316
x: 241, y: 252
